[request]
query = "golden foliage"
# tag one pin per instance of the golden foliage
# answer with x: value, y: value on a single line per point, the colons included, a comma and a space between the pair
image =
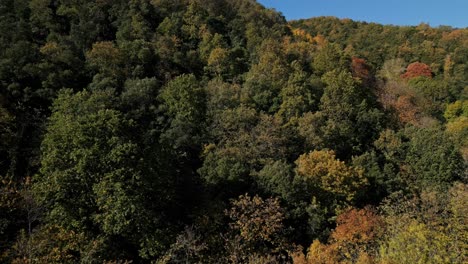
x: 255, y: 218
x: 105, y: 57
x: 303, y: 35
x: 331, y: 174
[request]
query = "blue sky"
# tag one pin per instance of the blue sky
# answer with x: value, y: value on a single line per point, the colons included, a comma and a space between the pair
x: 397, y: 12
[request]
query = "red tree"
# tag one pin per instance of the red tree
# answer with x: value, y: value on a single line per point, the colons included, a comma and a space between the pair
x: 357, y: 226
x: 417, y: 69
x: 360, y: 69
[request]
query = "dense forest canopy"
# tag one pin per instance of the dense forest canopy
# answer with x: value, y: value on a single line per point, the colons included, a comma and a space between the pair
x: 214, y: 131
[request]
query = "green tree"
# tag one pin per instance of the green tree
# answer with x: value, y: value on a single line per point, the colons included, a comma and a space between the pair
x: 183, y: 101
x: 244, y: 141
x: 301, y: 94
x: 266, y: 78
x: 227, y: 158
x: 221, y: 96
x: 456, y: 109
x: 415, y: 243
x: 328, y: 58
x: 432, y: 159
x: 416, y: 158
x: 349, y: 118
x: 106, y: 59
x: 95, y: 177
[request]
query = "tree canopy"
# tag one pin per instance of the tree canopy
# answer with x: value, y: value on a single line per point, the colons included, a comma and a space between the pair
x: 215, y: 131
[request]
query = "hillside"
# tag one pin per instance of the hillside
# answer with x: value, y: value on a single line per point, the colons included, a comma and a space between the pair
x: 214, y: 131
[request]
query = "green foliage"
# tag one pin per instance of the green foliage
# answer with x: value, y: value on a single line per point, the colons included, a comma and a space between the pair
x: 91, y: 169
x: 301, y: 94
x: 245, y: 142
x: 231, y: 127
x: 105, y: 58
x: 266, y: 78
x: 392, y: 69
x: 277, y: 178
x: 347, y: 121
x: 419, y: 158
x: 329, y: 58
x: 221, y: 96
x: 127, y: 126
x: 456, y: 109
x: 415, y: 244
x: 432, y: 159
x: 183, y: 98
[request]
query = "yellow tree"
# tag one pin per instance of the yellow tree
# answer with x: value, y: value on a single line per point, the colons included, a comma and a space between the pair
x: 321, y: 169
x: 430, y: 228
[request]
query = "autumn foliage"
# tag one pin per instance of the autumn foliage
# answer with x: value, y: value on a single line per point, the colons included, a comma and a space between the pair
x: 352, y: 241
x: 215, y: 131
x: 357, y: 226
x: 331, y: 174
x: 406, y: 109
x: 417, y: 69
x: 360, y: 69
x: 256, y: 219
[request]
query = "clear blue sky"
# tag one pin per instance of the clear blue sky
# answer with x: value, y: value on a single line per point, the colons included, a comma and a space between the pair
x: 397, y: 12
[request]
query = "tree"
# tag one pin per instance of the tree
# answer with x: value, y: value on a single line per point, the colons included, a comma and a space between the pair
x: 426, y: 228
x: 184, y: 103
x: 51, y: 244
x: 7, y: 138
x: 244, y: 142
x: 417, y: 69
x: 407, y: 110
x: 327, y: 175
x: 415, y: 243
x: 456, y: 109
x: 392, y: 70
x: 435, y: 92
x: 91, y: 167
x: 59, y: 67
x: 221, y: 96
x: 349, y: 117
x: 106, y: 58
x: 420, y: 158
x: 11, y: 213
x: 228, y: 157
x: 361, y: 70
x: 277, y: 179
x: 301, y: 94
x: 328, y: 58
x: 257, y: 225
x: 458, y: 130
x: 266, y: 78
x: 354, y: 239
x: 188, y: 248
x: 432, y: 159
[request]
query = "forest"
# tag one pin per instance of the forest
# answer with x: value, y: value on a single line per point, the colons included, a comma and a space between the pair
x: 215, y: 131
